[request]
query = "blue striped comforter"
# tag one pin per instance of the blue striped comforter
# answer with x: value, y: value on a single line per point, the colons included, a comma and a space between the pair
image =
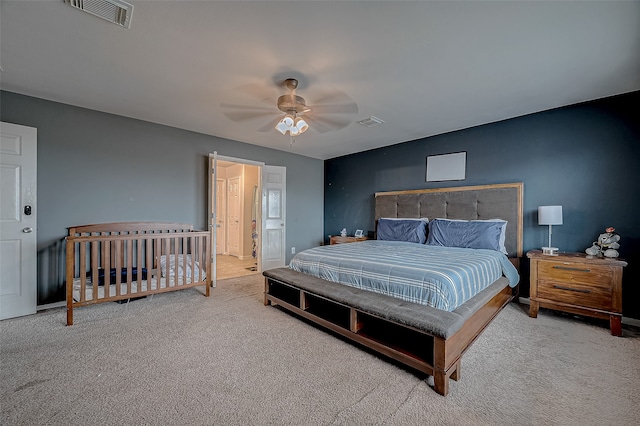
x: 442, y: 277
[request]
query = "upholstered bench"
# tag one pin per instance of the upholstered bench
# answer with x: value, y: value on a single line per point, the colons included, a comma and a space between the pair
x: 413, y: 334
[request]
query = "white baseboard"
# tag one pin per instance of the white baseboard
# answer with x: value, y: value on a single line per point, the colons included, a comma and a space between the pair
x: 631, y: 321
x: 51, y: 306
x: 625, y: 320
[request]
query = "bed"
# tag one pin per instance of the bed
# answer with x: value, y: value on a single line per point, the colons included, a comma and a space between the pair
x: 115, y: 262
x: 427, y: 335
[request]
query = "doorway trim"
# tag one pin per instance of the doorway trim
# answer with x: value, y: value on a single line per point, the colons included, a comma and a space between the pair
x: 212, y: 206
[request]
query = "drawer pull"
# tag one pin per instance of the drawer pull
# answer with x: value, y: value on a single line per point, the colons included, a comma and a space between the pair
x: 567, y: 268
x: 579, y: 290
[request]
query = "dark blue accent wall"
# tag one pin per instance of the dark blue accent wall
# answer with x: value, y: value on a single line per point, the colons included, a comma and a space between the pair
x: 585, y: 157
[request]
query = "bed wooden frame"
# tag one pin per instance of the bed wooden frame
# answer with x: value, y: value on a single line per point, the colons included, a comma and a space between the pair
x: 434, y: 346
x: 132, y: 248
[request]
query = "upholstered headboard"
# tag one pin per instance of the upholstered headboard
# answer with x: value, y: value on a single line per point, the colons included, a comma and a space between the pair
x: 499, y: 201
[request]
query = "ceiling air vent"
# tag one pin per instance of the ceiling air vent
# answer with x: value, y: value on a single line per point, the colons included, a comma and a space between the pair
x: 114, y: 11
x: 371, y: 122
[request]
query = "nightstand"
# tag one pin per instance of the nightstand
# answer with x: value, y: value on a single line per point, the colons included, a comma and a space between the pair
x: 337, y: 239
x: 579, y: 284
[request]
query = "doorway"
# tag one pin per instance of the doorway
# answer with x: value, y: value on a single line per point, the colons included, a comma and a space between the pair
x: 254, y: 194
x: 237, y: 249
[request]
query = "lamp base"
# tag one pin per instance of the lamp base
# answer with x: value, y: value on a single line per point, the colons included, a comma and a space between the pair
x: 550, y: 251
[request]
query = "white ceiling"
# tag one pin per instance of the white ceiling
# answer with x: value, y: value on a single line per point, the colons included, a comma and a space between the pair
x: 425, y: 68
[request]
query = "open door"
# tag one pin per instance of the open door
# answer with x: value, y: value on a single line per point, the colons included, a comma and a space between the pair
x: 273, y: 217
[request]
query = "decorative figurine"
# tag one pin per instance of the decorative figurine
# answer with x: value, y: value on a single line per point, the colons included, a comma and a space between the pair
x: 607, y: 244
x: 343, y: 233
x: 594, y: 250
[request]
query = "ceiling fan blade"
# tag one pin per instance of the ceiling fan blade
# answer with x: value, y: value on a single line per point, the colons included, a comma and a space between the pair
x: 349, y: 108
x: 271, y: 125
x: 332, y: 96
x: 258, y: 92
x: 324, y: 125
x: 240, y: 116
x: 225, y: 105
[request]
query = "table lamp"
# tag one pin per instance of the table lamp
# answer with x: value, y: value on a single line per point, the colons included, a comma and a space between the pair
x: 550, y: 215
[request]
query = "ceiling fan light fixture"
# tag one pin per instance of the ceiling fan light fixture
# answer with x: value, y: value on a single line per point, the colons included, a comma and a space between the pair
x: 301, y: 125
x: 288, y: 120
x: 281, y: 127
x: 294, y: 125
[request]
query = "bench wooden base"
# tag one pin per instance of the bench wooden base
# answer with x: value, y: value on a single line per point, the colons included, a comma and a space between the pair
x: 423, y: 351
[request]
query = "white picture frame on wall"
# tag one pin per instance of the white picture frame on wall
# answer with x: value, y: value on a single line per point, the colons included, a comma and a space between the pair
x: 446, y: 167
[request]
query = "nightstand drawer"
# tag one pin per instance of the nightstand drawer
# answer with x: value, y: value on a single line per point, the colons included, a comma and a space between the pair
x: 579, y: 294
x: 572, y: 273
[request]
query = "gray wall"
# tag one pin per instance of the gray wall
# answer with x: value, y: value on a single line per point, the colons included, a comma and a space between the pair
x: 95, y: 167
x: 584, y: 157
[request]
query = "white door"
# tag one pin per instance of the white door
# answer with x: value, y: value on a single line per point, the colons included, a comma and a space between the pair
x: 234, y: 213
x: 273, y: 216
x: 221, y: 217
x: 18, y: 293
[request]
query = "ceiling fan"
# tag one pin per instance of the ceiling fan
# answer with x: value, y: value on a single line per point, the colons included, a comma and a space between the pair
x: 291, y: 113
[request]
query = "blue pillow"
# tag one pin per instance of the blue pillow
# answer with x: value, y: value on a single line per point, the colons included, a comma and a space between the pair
x: 477, y: 234
x: 410, y: 230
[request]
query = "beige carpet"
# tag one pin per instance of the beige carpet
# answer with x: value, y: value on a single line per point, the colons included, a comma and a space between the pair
x: 183, y: 359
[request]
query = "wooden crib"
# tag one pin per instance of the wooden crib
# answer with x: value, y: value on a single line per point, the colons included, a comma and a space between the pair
x: 111, y: 262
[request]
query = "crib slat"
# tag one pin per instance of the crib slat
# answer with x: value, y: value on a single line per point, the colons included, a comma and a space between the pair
x: 101, y: 265
x: 194, y: 259
x: 82, y: 269
x: 206, y: 260
x: 181, y: 241
x: 158, y: 254
x: 107, y: 271
x: 169, y: 252
x: 139, y: 263
x: 118, y: 266
x: 148, y: 263
x: 179, y: 260
x: 95, y: 245
x: 129, y: 262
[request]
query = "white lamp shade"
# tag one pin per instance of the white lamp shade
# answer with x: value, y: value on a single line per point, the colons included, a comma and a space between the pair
x: 288, y: 120
x: 301, y: 125
x: 550, y: 215
x: 281, y: 127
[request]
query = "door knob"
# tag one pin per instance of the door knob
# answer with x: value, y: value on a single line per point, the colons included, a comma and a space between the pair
x: 27, y: 230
